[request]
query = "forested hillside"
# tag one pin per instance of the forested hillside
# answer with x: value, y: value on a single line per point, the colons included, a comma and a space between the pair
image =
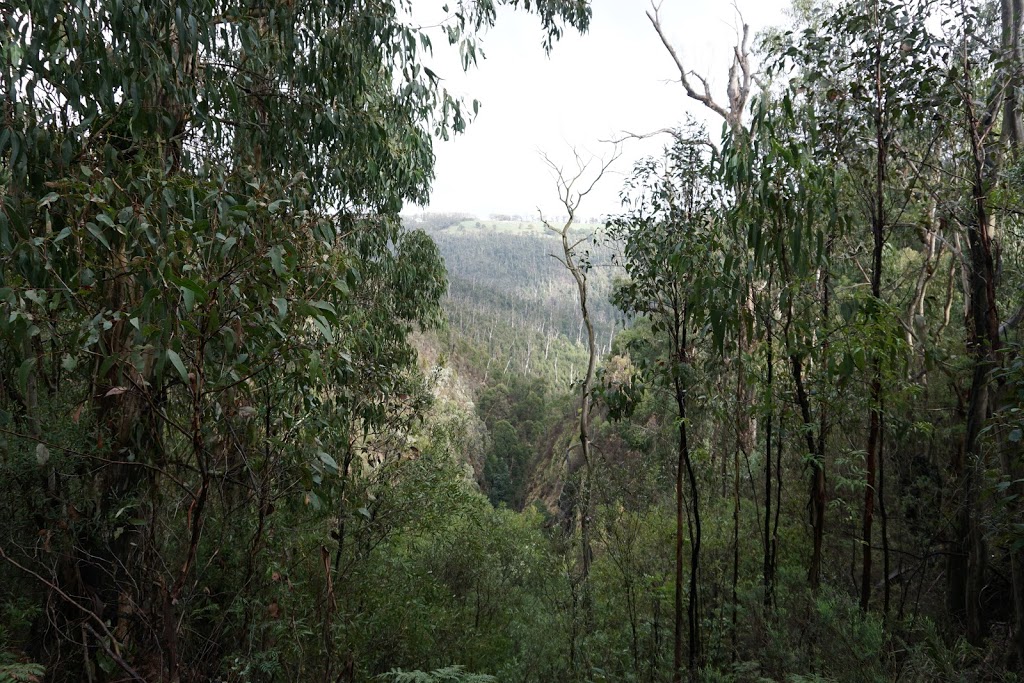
x: 514, y: 301
x: 263, y: 419
x: 514, y: 339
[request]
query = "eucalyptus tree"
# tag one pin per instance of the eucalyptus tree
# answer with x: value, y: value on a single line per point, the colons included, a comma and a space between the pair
x: 874, y: 70
x: 672, y: 254
x: 207, y: 292
x: 792, y: 222
x: 921, y: 122
x: 984, y: 78
x: 732, y: 111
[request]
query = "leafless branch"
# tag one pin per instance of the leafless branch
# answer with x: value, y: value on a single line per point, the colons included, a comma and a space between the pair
x: 740, y: 75
x: 684, y: 74
x: 573, y: 186
x: 674, y: 132
x: 88, y: 613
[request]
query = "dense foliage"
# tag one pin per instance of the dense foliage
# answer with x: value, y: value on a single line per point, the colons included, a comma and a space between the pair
x: 245, y: 434
x: 208, y: 385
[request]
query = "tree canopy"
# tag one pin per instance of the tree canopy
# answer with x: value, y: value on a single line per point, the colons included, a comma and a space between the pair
x: 248, y: 434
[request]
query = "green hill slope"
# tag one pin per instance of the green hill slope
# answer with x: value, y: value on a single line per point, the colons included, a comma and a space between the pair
x: 515, y: 340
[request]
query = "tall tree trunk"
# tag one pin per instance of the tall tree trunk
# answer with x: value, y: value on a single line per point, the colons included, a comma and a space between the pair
x: 883, y: 513
x: 1012, y: 18
x: 967, y: 560
x: 769, y: 552
x: 983, y: 339
x: 1012, y: 12
x: 818, y: 493
x: 737, y: 91
x: 817, y: 518
x: 871, y: 465
x: 684, y: 467
x: 571, y: 200
x: 580, y: 277
x: 735, y: 549
x: 814, y: 449
x: 878, y: 219
x: 677, y: 643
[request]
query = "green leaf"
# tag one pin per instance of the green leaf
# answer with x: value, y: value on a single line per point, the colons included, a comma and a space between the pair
x: 326, y: 307
x: 98, y: 234
x: 276, y: 255
x: 191, y: 286
x: 329, y: 462
x: 189, y: 298
x: 325, y: 328
x: 106, y: 663
x: 175, y: 359
x: 24, y: 370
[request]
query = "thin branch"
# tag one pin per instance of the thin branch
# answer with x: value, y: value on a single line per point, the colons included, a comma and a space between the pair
x: 87, y: 612
x: 1011, y: 323
x: 674, y: 132
x: 684, y: 73
x: 114, y: 656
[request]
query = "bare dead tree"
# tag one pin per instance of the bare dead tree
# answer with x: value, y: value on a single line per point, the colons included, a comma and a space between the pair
x: 573, y: 186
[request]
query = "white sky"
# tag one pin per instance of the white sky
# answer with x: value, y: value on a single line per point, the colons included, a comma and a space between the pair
x: 615, y: 77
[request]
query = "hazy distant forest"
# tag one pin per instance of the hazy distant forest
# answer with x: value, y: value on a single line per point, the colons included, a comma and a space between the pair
x: 262, y: 419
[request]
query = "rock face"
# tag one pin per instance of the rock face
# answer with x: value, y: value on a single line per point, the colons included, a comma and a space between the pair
x: 456, y: 422
x: 453, y: 419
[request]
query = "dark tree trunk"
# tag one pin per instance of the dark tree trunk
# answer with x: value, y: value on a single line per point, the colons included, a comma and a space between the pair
x: 677, y: 659
x: 684, y: 464
x: 878, y: 219
x: 769, y: 551
x: 887, y: 580
x: 966, y: 565
x: 815, y: 450
x: 1012, y: 17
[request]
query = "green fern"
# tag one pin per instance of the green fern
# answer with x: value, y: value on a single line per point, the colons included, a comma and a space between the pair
x: 449, y: 674
x: 21, y: 673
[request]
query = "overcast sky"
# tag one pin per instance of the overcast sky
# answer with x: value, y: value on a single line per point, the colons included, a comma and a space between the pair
x: 592, y: 87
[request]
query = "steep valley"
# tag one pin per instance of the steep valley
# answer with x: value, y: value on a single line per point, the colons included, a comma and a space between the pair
x: 512, y: 349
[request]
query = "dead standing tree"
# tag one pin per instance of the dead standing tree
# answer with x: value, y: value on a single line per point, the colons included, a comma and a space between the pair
x: 573, y: 186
